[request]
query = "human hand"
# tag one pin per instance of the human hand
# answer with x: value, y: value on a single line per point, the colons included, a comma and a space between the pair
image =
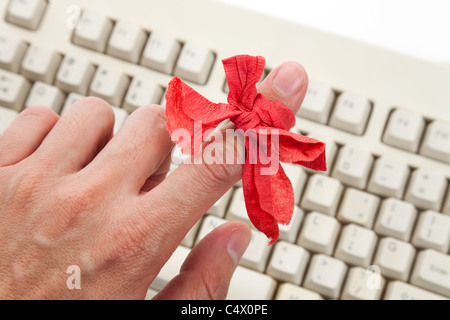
x: 71, y: 194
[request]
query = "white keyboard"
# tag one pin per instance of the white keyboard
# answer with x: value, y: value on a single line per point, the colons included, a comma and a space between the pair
x: 375, y: 226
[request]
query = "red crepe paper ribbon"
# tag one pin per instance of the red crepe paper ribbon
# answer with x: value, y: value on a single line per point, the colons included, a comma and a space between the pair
x: 269, y: 198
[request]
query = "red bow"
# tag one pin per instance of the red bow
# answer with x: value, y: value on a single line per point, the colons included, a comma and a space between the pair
x: 269, y: 198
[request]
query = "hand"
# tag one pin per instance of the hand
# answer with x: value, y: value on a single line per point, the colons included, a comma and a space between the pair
x: 71, y: 194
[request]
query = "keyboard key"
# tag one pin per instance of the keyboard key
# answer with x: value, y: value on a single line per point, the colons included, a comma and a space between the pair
x: 446, y: 209
x: 12, y: 50
x: 209, y: 224
x: 13, y: 90
x: 126, y: 42
x: 237, y: 210
x: 353, y: 166
x: 356, y: 245
x: 322, y: 194
x: 110, y: 85
x: 190, y: 237
x: 404, y: 130
x: 94, y: 31
x: 319, y: 233
x: 396, y: 219
x: 120, y: 116
x: 318, y: 102
x: 289, y: 232
x: 297, y: 176
x: 288, y: 262
x: 436, y: 144
x: 70, y: 100
x: 397, y: 290
x: 288, y: 291
x: 142, y: 92
x: 247, y: 284
x: 426, y: 189
x: 41, y: 64
x: 395, y: 258
x: 43, y: 94
x: 195, y: 63
x: 75, y: 74
x: 358, y: 207
x: 325, y: 275
x: 161, y: 52
x: 389, y: 177
x: 359, y: 286
x: 257, y: 253
x: 432, y: 231
x: 221, y: 205
x: 351, y: 113
x: 7, y: 116
x: 26, y: 13
x: 171, y: 269
x: 432, y: 272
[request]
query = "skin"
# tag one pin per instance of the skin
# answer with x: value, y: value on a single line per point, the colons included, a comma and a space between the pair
x: 71, y: 193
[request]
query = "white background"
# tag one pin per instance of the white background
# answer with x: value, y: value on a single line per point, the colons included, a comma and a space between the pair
x: 416, y: 27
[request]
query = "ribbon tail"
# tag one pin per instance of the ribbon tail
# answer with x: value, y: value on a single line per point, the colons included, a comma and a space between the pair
x: 269, y: 199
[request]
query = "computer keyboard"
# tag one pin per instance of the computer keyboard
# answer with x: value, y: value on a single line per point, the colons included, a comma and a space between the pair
x: 376, y: 225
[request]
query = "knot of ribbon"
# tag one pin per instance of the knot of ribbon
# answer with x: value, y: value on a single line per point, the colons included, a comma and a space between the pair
x: 269, y: 198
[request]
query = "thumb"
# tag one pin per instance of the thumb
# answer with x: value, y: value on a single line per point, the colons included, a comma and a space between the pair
x: 207, y: 271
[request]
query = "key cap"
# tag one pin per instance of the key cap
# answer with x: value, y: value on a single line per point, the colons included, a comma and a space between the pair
x: 436, y: 144
x: 389, y: 177
x: 319, y: 233
x: 126, y: 42
x: 26, y: 13
x: 426, y: 189
x: 356, y: 245
x: 12, y: 50
x: 404, y: 130
x: 322, y: 194
x: 43, y: 94
x: 289, y: 232
x: 75, y: 74
x: 109, y: 84
x: 395, y: 258
x: 297, y: 176
x: 318, y: 102
x: 237, y: 210
x: 288, y: 291
x: 353, y: 166
x: 190, y: 237
x: 325, y: 275
x: 331, y: 149
x: 432, y: 231
x: 209, y: 224
x: 13, y: 90
x: 359, y: 286
x: 397, y: 290
x: 247, y: 284
x: 120, y: 116
x: 150, y: 294
x: 351, y: 113
x: 195, y: 63
x: 94, y: 31
x: 142, y: 92
x: 432, y: 272
x: 41, y: 64
x: 70, y: 100
x: 171, y: 269
x: 7, y: 116
x: 257, y: 253
x: 288, y: 262
x: 396, y: 219
x: 221, y: 205
x: 161, y: 52
x: 358, y: 207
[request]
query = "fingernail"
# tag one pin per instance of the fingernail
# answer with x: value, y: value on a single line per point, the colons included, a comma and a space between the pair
x: 237, y: 244
x: 289, y: 80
